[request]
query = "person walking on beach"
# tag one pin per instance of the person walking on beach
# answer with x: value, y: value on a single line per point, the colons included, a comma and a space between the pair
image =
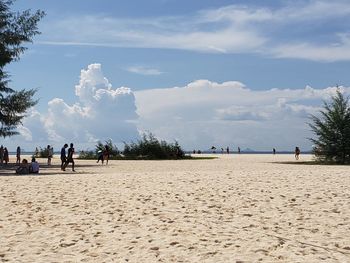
x: 70, y: 157
x: 99, y: 156
x: 1, y: 154
x: 274, y: 151
x: 18, y: 155
x: 297, y: 153
x: 63, y: 157
x: 227, y: 150
x: 106, y: 154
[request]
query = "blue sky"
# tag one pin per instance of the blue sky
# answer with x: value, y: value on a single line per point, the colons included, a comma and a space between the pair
x: 280, y: 48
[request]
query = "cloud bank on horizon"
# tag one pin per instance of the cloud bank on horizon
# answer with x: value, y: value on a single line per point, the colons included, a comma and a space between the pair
x: 198, y: 115
x: 285, y: 31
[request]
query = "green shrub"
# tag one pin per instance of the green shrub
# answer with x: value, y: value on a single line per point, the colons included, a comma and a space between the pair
x: 332, y: 130
x: 42, y: 153
x: 87, y: 155
x: 149, y: 147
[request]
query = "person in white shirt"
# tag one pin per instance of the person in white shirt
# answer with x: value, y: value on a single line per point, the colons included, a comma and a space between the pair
x: 34, y: 166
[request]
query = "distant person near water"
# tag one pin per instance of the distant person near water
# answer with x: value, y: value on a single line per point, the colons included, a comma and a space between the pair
x: 239, y: 150
x: 63, y: 157
x: 297, y: 153
x: 18, y: 155
x: 227, y: 150
x: 274, y: 151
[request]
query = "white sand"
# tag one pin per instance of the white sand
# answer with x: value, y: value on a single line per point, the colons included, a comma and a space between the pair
x: 245, y: 208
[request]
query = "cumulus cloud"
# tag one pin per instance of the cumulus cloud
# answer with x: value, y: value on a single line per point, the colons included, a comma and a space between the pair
x: 228, y: 29
x: 99, y: 113
x: 204, y: 113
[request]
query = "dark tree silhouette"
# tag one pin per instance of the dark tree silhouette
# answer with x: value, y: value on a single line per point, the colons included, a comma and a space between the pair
x: 16, y: 29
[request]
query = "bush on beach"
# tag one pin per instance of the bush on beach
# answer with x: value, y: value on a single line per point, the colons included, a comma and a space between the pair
x: 42, y: 153
x: 148, y: 147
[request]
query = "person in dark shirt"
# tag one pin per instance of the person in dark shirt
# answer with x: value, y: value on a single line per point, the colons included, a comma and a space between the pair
x: 70, y: 157
x: 63, y: 157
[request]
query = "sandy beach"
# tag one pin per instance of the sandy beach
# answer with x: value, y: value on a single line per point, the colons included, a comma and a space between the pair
x: 237, y: 208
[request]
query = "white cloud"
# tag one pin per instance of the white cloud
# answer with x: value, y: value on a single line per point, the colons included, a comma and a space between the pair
x: 339, y: 51
x: 100, y: 113
x: 229, y: 29
x: 204, y: 113
x: 144, y: 70
x: 198, y: 115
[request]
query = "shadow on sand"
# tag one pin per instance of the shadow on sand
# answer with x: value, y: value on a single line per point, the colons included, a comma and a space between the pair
x: 10, y: 169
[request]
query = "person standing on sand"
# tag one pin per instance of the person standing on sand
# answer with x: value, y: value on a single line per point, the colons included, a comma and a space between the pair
x: 36, y: 153
x: 1, y: 154
x: 227, y: 150
x: 70, y: 157
x: 49, y: 154
x: 274, y: 151
x: 63, y: 157
x: 18, y: 155
x: 297, y: 153
x: 6, y: 155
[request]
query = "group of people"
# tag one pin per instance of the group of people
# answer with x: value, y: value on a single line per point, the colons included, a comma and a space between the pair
x: 66, y: 159
x: 103, y: 155
x: 26, y: 168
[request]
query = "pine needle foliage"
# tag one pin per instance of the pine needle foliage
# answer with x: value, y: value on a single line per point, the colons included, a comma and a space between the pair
x: 149, y: 147
x: 332, y: 130
x: 16, y: 29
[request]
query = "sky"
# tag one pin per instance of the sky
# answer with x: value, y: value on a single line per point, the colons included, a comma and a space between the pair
x: 202, y: 72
